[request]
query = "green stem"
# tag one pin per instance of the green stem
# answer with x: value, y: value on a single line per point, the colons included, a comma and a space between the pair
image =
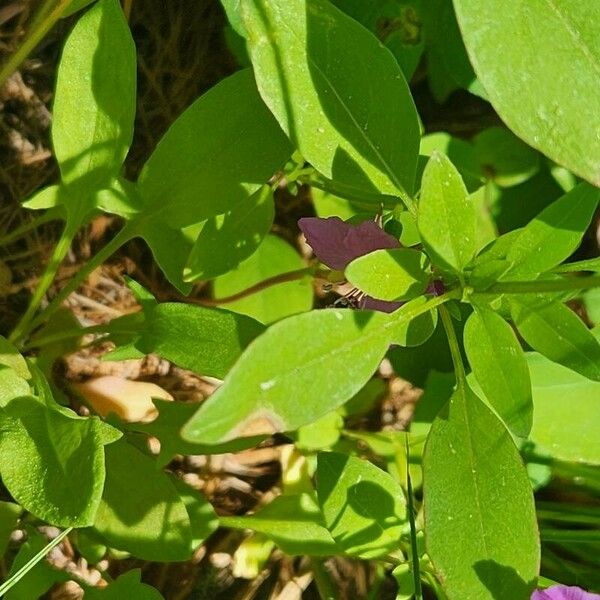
x: 60, y: 251
x: 459, y: 368
x: 416, y: 570
x: 586, y: 536
x: 19, y: 232
x: 128, y: 232
x: 537, y: 287
x: 591, y: 264
x: 323, y: 581
x: 9, y: 583
x: 40, y: 28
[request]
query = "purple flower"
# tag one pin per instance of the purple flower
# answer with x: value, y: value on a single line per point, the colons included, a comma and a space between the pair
x: 337, y: 243
x: 563, y: 592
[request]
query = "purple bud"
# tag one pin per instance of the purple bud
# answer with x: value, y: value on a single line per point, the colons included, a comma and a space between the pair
x: 436, y: 288
x: 563, y: 592
x: 337, y: 243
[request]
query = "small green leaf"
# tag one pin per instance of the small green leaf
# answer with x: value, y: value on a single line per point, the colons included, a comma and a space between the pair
x: 13, y: 359
x: 206, y: 164
x: 141, y: 511
x: 128, y: 586
x: 44, y: 199
x: 52, y: 461
x: 298, y: 370
x: 517, y: 60
x: 321, y: 434
x: 354, y: 121
x: 207, y: 341
x: 226, y: 240
x: 499, y: 365
x: 554, y: 234
x: 566, y: 418
x: 363, y: 506
x: 559, y: 334
x: 447, y: 218
x: 480, y: 519
x: 9, y: 517
x: 398, y: 274
x: 233, y: 10
x: 94, y: 104
x: 418, y: 330
x: 273, y: 257
x: 293, y: 522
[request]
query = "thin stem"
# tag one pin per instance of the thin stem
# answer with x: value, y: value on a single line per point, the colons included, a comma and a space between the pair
x: 552, y: 285
x: 19, y: 232
x: 591, y: 264
x: 60, y: 251
x: 459, y: 368
x: 39, y: 29
x: 128, y: 232
x: 325, y: 586
x: 9, y: 583
x: 416, y: 571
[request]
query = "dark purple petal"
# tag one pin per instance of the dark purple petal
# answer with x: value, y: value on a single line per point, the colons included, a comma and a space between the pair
x: 337, y: 243
x: 563, y: 592
x: 368, y: 303
x: 436, y: 288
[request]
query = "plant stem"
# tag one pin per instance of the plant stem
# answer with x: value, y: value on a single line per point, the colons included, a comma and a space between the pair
x: 15, y: 234
x: 552, y: 285
x: 60, y: 251
x: 413, y: 528
x: 9, y: 583
x: 591, y: 264
x: 128, y: 232
x: 459, y: 368
x: 39, y: 29
x: 325, y: 586
x: 585, y: 536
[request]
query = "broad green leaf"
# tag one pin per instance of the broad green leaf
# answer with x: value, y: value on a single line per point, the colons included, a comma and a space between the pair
x: 397, y: 23
x: 172, y: 416
x: 555, y: 331
x: 13, y: 359
x: 52, y: 462
x: 206, y: 164
x: 353, y: 120
x: 499, y: 365
x: 480, y: 525
x: 566, y: 418
x: 141, y: 511
x: 205, y: 340
x: 447, y: 218
x: 41, y: 577
x: 9, y: 517
x: 554, y: 234
x: 504, y: 158
x: 226, y: 240
x: 11, y: 386
x: 273, y: 257
x: 536, y: 40
x: 293, y: 522
x: 233, y: 11
x: 94, y: 104
x: 321, y: 434
x: 418, y: 330
x: 328, y: 205
x: 397, y: 274
x: 364, y: 507
x: 300, y: 369
x: 128, y: 586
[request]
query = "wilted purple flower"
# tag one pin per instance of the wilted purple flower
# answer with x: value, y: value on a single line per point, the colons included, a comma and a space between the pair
x: 337, y: 243
x: 563, y: 592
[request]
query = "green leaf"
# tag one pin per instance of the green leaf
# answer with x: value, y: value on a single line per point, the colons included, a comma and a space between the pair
x: 233, y: 10
x: 499, y: 365
x: 206, y: 164
x: 74, y: 6
x: 11, y: 386
x: 554, y: 234
x: 559, y: 334
x: 52, y: 462
x: 9, y: 517
x: 13, y: 359
x: 418, y: 330
x: 566, y: 418
x: 172, y: 416
x: 353, y: 120
x: 273, y: 257
x: 523, y: 86
x: 398, y: 274
x: 293, y: 522
x: 94, y: 104
x: 363, y: 506
x: 321, y: 434
x: 44, y: 199
x: 226, y: 240
x: 207, y: 341
x: 480, y: 524
x: 447, y: 218
x: 298, y: 370
x: 128, y: 586
x: 141, y: 511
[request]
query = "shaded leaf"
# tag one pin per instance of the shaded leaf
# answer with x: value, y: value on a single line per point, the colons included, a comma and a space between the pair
x: 128, y: 586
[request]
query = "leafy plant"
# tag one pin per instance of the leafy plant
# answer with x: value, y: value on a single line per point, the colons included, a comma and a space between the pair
x: 433, y: 281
